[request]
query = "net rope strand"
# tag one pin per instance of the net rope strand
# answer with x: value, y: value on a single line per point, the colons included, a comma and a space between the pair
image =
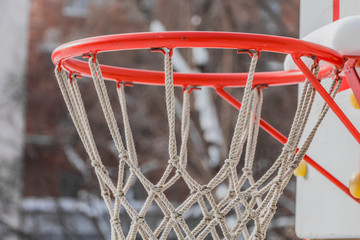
x: 253, y: 206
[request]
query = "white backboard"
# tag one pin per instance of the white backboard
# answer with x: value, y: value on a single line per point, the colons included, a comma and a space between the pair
x: 323, y: 211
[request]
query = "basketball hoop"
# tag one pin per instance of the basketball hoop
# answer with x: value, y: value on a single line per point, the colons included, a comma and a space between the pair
x: 256, y: 204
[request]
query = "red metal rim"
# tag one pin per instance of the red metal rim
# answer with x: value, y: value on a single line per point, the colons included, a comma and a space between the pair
x: 65, y: 54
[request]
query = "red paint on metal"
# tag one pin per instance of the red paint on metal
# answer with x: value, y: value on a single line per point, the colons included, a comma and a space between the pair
x: 195, y: 79
x: 352, y: 76
x: 67, y: 52
x: 336, y: 10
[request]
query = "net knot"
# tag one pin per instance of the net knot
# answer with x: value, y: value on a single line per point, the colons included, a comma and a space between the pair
x: 219, y: 216
x: 115, y: 221
x: 229, y: 161
x: 278, y: 183
x: 123, y: 155
x: 205, y: 190
x: 157, y: 189
x: 247, y: 171
x: 208, y: 218
x: 139, y: 220
x: 234, y: 237
x: 105, y: 192
x: 193, y: 191
x: 294, y: 164
x: 241, y: 197
x: 119, y: 194
x: 173, y: 161
x: 288, y: 149
x: 253, y: 214
x: 96, y: 164
x: 175, y: 215
x: 273, y: 209
x: 259, y: 235
x: 178, y: 172
x: 256, y: 194
x: 232, y: 193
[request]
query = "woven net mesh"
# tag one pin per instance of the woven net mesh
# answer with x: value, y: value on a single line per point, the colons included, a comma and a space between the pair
x: 253, y: 202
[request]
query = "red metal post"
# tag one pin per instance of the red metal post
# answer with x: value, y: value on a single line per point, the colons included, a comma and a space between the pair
x: 336, y: 10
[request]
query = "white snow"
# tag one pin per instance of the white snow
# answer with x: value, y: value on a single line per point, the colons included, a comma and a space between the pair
x: 342, y: 35
x: 51, y: 205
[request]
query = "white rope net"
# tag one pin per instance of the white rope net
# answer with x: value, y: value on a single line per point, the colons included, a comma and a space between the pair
x: 254, y: 206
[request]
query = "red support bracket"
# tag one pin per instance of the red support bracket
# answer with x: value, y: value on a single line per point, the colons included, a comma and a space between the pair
x: 125, y: 84
x: 282, y: 139
x: 352, y: 76
x: 325, y: 95
x: 190, y: 88
x: 163, y: 50
x: 251, y: 52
